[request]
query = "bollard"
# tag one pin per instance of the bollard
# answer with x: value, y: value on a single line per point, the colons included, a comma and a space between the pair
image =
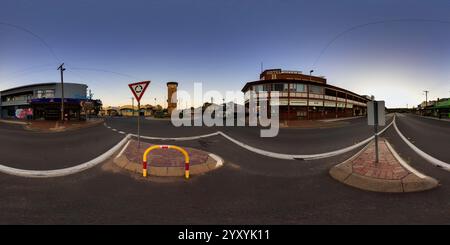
x: 184, y: 152
x: 144, y: 168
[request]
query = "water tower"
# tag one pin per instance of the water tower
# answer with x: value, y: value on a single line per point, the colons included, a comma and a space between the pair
x: 171, y: 93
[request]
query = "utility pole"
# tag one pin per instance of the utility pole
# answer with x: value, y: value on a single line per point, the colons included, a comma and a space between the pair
x: 426, y: 97
x: 62, y: 69
x: 132, y: 106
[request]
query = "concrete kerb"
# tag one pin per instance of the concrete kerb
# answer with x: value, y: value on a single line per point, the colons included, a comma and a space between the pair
x: 413, y: 182
x: 213, y: 162
x: 416, y: 181
x: 13, y: 122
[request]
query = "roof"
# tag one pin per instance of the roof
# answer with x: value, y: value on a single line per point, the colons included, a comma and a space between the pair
x: 36, y: 85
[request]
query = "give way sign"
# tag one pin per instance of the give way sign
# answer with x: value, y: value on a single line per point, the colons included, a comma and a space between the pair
x: 138, y: 89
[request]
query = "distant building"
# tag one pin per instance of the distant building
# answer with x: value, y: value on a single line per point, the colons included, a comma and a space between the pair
x: 436, y: 108
x: 43, y: 101
x: 305, y: 97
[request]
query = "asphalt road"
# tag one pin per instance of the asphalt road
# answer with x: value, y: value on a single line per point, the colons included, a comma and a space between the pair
x: 429, y: 135
x: 30, y: 150
x: 249, y: 189
x: 288, y: 140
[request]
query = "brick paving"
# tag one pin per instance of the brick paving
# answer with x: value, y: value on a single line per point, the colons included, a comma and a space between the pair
x: 387, y: 168
x: 164, y: 157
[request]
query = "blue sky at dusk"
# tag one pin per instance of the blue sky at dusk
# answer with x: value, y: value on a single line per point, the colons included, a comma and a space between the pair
x: 108, y: 44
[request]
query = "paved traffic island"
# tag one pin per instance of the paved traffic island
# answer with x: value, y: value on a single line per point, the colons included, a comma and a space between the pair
x: 166, y: 162
x: 390, y: 174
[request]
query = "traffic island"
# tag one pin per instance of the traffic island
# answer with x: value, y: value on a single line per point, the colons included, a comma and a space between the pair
x: 391, y: 174
x: 166, y: 162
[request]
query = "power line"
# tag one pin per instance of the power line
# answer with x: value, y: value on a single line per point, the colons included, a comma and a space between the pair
x: 368, y: 24
x: 36, y: 36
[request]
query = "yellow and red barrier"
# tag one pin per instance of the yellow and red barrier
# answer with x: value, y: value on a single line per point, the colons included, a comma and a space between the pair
x: 151, y: 148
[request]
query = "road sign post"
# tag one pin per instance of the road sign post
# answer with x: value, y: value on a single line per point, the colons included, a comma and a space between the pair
x: 376, y: 117
x: 138, y: 90
x: 375, y: 127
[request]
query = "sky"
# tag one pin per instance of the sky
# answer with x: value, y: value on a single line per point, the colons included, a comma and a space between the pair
x: 393, y: 50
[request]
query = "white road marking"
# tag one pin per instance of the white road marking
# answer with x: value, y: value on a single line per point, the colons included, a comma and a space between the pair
x: 403, y: 163
x: 304, y: 157
x: 121, y: 132
x: 64, y: 171
x: 123, y: 149
x: 115, y: 130
x: 110, y: 152
x: 274, y: 154
x: 178, y: 138
x: 219, y: 160
x: 421, y: 153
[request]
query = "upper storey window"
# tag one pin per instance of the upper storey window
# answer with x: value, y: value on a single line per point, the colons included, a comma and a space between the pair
x: 315, y: 89
x: 297, y: 87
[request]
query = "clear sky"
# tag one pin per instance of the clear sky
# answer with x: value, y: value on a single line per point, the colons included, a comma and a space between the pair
x: 222, y: 44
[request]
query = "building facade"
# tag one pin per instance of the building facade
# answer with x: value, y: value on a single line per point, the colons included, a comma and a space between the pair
x: 304, y: 96
x: 42, y: 101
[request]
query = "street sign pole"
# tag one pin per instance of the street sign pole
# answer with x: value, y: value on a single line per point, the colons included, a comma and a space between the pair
x: 138, y: 90
x: 375, y: 126
x: 139, y: 124
x: 376, y: 117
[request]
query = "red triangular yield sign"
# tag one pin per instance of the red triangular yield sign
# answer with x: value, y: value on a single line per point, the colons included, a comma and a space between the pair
x: 138, y: 89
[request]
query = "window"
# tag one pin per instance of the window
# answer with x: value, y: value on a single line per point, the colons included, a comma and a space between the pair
x: 277, y: 87
x: 296, y: 87
x: 315, y: 89
x: 258, y: 88
x: 39, y: 94
x: 47, y: 93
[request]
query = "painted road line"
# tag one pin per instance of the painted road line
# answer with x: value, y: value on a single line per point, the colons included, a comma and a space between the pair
x: 179, y: 138
x: 269, y: 153
x: 219, y: 160
x: 123, y: 149
x: 403, y: 163
x: 121, y: 132
x: 64, y: 171
x: 115, y: 130
x: 421, y: 153
x: 301, y: 157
